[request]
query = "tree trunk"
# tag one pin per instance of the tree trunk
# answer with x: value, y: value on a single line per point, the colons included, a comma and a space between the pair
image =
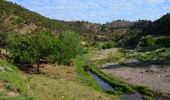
x: 38, y: 67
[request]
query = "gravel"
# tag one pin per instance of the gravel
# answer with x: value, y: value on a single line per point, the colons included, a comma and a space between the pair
x: 152, y: 76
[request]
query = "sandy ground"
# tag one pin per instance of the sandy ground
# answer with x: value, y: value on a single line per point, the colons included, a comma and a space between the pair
x: 156, y: 77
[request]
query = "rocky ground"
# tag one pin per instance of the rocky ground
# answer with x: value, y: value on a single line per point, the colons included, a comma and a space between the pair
x: 153, y: 76
x: 156, y: 77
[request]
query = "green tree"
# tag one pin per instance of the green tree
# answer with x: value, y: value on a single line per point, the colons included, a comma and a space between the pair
x: 68, y: 47
x: 32, y: 48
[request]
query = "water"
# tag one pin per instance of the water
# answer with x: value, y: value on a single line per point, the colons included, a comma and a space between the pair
x: 107, y: 87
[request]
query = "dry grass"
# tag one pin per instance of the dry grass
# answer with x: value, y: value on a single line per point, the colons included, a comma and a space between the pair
x: 53, y: 83
x: 61, y: 83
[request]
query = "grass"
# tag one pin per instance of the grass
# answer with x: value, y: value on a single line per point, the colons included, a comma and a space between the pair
x: 87, y: 79
x: 156, y: 55
x: 13, y: 79
x: 54, y: 82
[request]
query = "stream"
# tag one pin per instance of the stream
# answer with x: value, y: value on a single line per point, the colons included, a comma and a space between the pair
x: 107, y: 87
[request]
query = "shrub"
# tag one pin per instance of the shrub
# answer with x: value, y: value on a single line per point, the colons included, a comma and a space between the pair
x: 108, y: 45
x: 148, y: 41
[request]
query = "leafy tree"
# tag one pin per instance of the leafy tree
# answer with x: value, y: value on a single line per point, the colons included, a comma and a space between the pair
x: 32, y: 48
x: 69, y: 47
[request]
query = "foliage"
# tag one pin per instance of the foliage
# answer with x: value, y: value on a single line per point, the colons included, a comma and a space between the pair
x: 156, y: 55
x: 108, y: 45
x: 148, y: 41
x: 68, y: 47
x: 31, y: 48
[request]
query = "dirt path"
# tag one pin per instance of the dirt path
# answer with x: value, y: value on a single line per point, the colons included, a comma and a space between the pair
x: 152, y: 76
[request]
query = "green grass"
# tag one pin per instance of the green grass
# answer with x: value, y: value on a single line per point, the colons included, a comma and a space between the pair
x: 86, y: 78
x: 66, y: 86
x: 156, y: 55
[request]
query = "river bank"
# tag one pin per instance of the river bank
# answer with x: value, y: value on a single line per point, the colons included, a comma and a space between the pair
x: 111, y: 73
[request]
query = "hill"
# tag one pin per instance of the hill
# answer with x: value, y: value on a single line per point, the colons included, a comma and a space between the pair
x: 15, y: 18
x: 160, y: 26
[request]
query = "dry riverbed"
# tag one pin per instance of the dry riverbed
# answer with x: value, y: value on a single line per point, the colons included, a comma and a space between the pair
x: 156, y: 77
x: 153, y: 76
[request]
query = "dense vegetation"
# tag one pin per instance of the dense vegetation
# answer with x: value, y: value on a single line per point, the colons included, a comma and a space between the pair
x: 33, y: 48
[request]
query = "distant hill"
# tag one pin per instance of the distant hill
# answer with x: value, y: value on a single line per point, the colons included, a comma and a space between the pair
x: 14, y: 18
x: 160, y: 26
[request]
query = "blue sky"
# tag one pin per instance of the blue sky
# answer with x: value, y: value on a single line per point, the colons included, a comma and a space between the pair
x: 98, y: 11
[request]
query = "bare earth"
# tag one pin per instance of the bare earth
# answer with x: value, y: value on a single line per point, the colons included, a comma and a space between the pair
x: 152, y: 76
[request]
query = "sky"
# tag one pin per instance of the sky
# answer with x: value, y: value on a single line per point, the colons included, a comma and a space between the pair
x: 98, y: 11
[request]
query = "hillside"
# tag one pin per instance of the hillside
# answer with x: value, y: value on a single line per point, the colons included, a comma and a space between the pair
x: 160, y: 26
x: 22, y: 20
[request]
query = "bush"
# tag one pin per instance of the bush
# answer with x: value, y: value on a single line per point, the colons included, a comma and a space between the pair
x: 108, y: 45
x: 148, y: 41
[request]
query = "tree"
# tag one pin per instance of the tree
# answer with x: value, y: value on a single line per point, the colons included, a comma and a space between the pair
x: 68, y: 47
x: 32, y: 48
